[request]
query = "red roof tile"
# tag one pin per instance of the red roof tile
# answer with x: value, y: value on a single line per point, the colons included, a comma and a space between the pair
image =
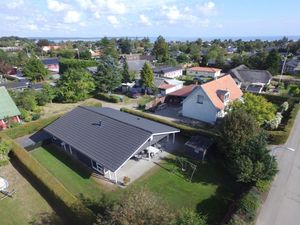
x: 205, y: 69
x: 184, y: 92
x: 166, y: 86
x: 225, y: 83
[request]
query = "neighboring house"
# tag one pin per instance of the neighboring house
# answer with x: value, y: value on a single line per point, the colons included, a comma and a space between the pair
x: 178, y: 96
x: 204, y: 72
x: 167, y: 86
x: 92, y: 69
x: 168, y: 72
x: 15, y: 85
x: 137, y: 65
x: 292, y: 66
x: 8, y: 109
x: 251, y: 80
x: 95, y: 54
x: 104, y: 139
x: 52, y: 64
x: 50, y: 47
x: 208, y: 101
x: 133, y: 57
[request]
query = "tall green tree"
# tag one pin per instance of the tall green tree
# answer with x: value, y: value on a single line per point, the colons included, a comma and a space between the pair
x: 147, y: 76
x: 34, y: 70
x: 109, y: 75
x: 127, y: 76
x: 161, y: 49
x: 244, y: 147
x: 273, y: 62
x: 125, y: 45
x: 108, y: 47
x: 47, y: 94
x: 75, y: 85
x: 257, y: 106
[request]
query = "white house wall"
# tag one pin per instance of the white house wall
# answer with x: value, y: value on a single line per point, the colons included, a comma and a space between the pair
x: 173, y: 74
x: 203, y: 73
x: 204, y: 112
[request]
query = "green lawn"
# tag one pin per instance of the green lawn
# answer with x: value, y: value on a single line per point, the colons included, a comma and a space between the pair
x: 208, y: 193
x: 27, y: 205
x: 74, y: 178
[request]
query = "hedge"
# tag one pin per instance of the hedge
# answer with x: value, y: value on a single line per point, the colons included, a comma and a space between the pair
x: 29, y: 128
x: 184, y: 130
x: 281, y: 136
x: 65, y: 64
x: 64, y: 201
x: 108, y: 98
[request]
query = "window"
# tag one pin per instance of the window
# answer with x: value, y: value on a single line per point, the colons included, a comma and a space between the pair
x: 226, y: 97
x: 200, y: 99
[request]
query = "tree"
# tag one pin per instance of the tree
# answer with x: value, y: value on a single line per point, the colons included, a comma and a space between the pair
x: 273, y: 62
x: 35, y: 70
x: 25, y: 100
x: 66, y: 53
x: 47, y: 94
x: 125, y: 45
x: 244, y: 146
x: 257, y: 106
x: 182, y: 58
x: 188, y: 217
x: 42, y: 42
x: 109, y: 75
x: 138, y: 207
x: 161, y: 49
x: 127, y: 76
x: 147, y: 76
x: 85, y: 54
x: 195, y: 52
x: 108, y: 47
x: 75, y: 85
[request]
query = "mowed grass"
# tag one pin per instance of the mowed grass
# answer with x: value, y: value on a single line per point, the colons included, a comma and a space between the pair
x: 72, y: 176
x: 26, y: 206
x: 209, y: 192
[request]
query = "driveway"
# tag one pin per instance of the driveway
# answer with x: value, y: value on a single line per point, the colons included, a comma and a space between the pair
x: 282, y: 206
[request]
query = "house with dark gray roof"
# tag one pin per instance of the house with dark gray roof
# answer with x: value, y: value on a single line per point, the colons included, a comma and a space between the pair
x: 104, y: 139
x: 251, y: 80
x: 168, y: 72
x: 52, y: 64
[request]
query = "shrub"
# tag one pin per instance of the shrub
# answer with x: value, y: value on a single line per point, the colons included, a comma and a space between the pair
x: 284, y: 106
x: 25, y: 115
x: 237, y: 220
x: 67, y: 203
x: 65, y: 64
x: 263, y: 185
x: 188, y: 217
x: 5, y: 147
x: 108, y: 98
x: 249, y: 204
x: 184, y: 130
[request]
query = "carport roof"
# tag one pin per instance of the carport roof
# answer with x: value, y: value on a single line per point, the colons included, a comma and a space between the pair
x: 108, y: 136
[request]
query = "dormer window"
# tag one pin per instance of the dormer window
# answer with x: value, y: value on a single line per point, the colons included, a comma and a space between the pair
x: 223, y: 95
x: 226, y: 96
x: 200, y: 99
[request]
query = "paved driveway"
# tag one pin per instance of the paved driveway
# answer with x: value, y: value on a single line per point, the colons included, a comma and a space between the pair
x: 282, y: 206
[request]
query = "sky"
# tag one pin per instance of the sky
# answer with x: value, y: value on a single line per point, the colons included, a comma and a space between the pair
x: 170, y: 18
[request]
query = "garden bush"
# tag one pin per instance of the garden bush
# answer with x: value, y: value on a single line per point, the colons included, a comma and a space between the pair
x: 66, y: 203
x: 263, y: 185
x: 184, y: 130
x: 249, y: 204
x: 65, y: 64
x: 108, y: 98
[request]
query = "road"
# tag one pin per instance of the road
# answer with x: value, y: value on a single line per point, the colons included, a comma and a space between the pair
x: 282, y: 206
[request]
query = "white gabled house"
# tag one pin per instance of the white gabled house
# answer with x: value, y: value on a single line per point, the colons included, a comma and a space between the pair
x: 208, y: 101
x: 203, y: 72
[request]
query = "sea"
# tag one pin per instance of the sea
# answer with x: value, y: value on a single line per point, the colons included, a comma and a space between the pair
x: 182, y: 39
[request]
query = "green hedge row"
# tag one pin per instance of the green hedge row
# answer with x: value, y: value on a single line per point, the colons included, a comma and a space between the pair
x: 29, y: 128
x: 281, y: 136
x: 65, y: 64
x: 69, y: 206
x: 247, y: 208
x: 108, y: 98
x: 184, y: 130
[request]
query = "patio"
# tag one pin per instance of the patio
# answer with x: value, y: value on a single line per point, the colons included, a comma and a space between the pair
x: 135, y: 168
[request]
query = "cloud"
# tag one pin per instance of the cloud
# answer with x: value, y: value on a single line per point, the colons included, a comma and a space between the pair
x: 12, y: 18
x: 57, y: 6
x: 32, y: 27
x: 82, y: 24
x: 172, y: 13
x: 208, y: 8
x: 72, y: 16
x: 145, y: 20
x: 116, y: 7
x: 13, y: 4
x: 113, y: 20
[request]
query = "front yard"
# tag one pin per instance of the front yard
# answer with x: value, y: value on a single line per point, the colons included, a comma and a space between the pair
x: 209, y: 192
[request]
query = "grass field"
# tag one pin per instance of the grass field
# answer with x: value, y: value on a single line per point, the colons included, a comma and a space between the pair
x: 27, y: 205
x: 75, y: 179
x: 208, y: 193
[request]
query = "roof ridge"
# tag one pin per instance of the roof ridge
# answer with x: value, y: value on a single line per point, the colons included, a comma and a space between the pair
x: 91, y: 110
